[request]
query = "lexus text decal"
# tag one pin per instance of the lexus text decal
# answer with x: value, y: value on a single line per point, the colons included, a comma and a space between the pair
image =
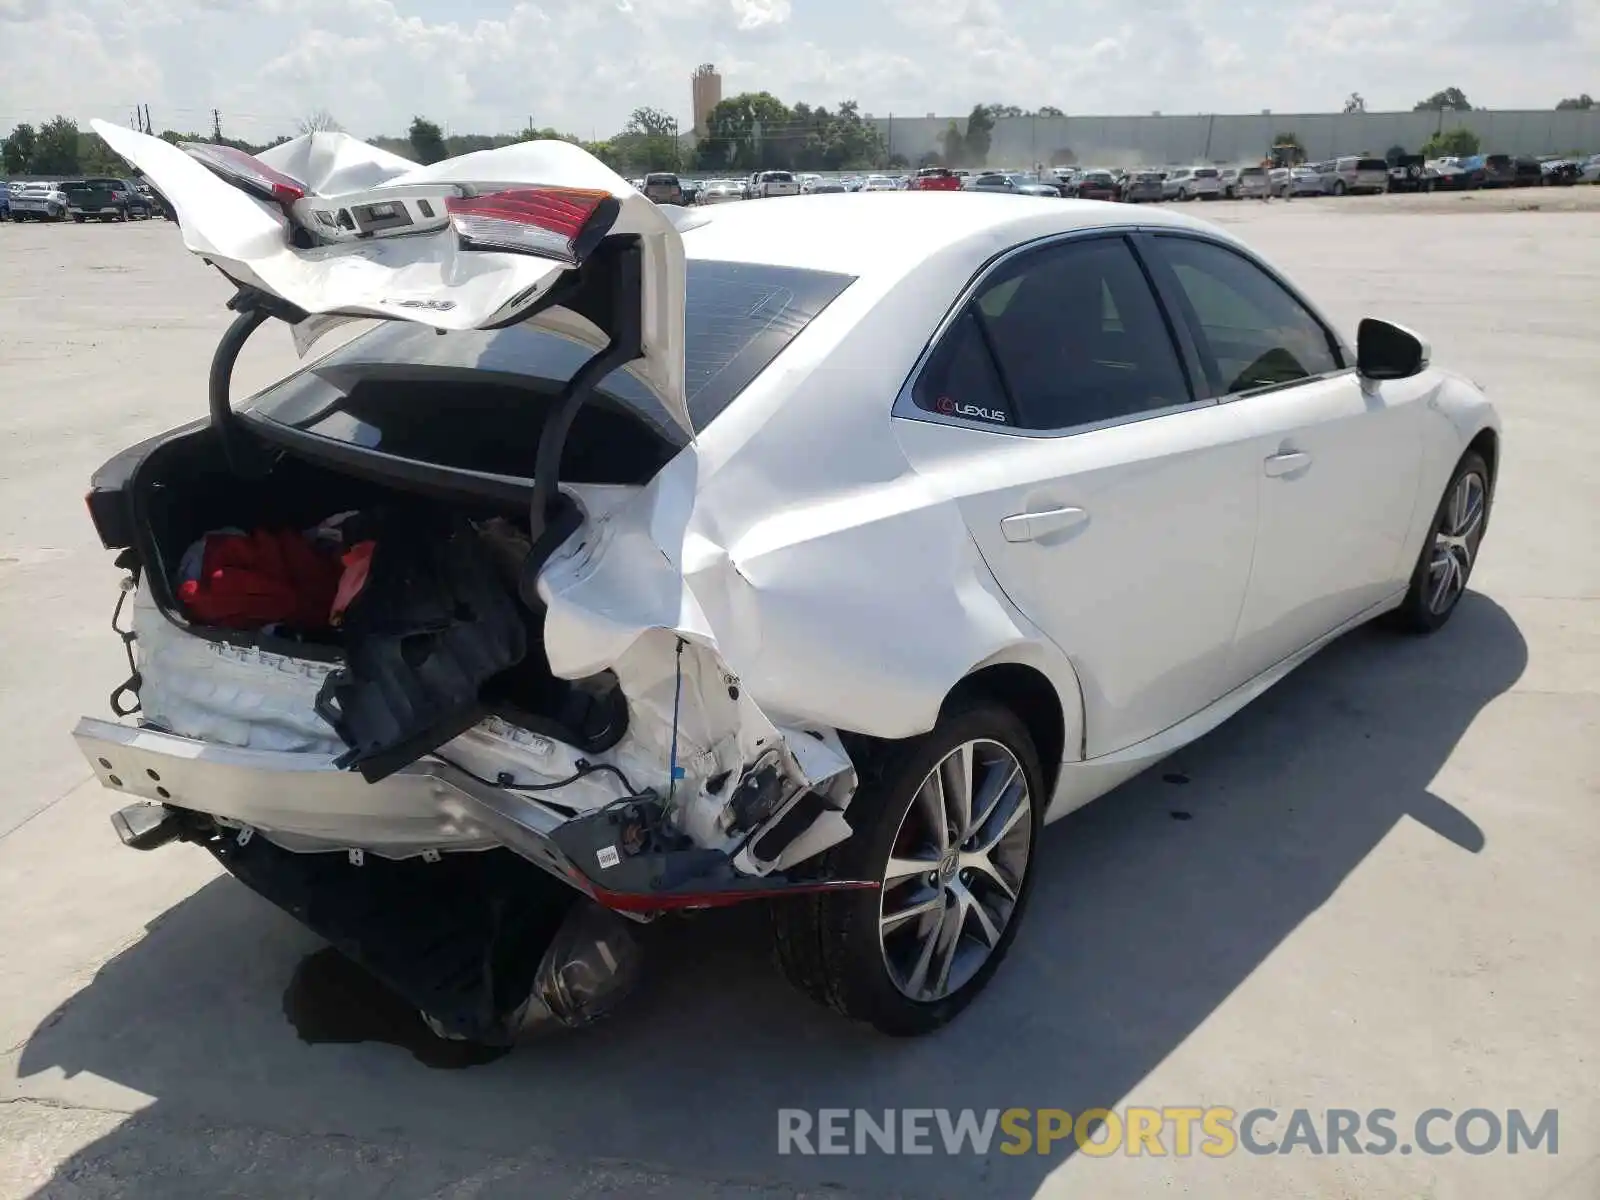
x: 976, y: 412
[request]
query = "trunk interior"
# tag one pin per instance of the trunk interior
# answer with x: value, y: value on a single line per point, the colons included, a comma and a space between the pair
x: 435, y: 637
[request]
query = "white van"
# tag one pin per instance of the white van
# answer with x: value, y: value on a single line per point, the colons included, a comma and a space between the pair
x: 1354, y: 173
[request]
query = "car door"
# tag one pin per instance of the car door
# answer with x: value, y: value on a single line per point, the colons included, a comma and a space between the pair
x: 1116, y: 511
x: 1337, y: 462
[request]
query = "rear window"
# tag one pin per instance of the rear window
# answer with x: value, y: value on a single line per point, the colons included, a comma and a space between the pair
x: 778, y: 177
x: 668, y: 180
x: 1372, y: 164
x: 1252, y: 172
x: 738, y: 318
x: 1205, y: 173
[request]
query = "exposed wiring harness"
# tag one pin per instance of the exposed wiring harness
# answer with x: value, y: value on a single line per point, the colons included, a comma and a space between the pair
x: 585, y: 769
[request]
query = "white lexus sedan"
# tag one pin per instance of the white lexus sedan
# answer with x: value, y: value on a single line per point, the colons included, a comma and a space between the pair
x: 643, y: 559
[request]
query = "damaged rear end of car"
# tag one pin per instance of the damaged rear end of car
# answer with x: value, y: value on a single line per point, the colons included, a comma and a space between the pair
x: 410, y: 646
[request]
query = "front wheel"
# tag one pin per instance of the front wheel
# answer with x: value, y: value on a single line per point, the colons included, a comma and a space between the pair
x: 1439, y: 579
x: 947, y: 824
x: 78, y: 218
x: 1339, y: 189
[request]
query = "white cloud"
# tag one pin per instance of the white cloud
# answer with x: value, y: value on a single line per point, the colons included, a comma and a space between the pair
x: 753, y: 14
x: 583, y: 65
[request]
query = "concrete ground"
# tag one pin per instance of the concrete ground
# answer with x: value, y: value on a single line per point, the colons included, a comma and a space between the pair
x: 1384, y: 897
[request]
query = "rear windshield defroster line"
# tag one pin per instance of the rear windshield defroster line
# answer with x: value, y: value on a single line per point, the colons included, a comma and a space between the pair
x: 738, y: 318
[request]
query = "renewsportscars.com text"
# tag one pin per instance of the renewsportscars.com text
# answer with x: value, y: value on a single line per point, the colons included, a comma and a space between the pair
x: 1178, y: 1131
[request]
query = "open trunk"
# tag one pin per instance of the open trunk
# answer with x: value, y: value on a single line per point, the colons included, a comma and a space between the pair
x: 465, y: 648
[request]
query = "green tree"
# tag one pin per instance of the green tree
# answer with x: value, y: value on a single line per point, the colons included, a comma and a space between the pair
x: 980, y: 129
x: 1452, y: 99
x: 319, y: 121
x: 746, y: 132
x: 1355, y: 103
x: 997, y: 111
x: 427, y: 141
x: 1049, y: 110
x: 97, y: 158
x: 1581, y: 103
x: 955, y: 146
x: 649, y: 141
x: 1063, y: 156
x: 56, y: 150
x: 1456, y: 143
x: 1394, y: 154
x: 17, y: 150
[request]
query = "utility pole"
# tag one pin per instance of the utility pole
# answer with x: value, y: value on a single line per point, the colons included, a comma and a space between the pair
x: 216, y: 124
x: 148, y: 128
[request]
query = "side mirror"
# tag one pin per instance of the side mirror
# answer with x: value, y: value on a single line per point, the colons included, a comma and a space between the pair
x: 1388, y: 351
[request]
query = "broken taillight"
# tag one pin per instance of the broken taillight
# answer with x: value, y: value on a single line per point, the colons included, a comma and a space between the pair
x: 248, y: 172
x: 564, y: 224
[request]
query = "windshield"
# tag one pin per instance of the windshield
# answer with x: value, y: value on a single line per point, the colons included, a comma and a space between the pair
x: 738, y: 318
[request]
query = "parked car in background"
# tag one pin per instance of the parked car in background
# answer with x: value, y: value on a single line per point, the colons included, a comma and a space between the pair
x: 720, y: 191
x: 1353, y: 175
x: 1095, y: 185
x: 1251, y: 183
x: 1590, y: 170
x: 770, y: 184
x: 829, y: 187
x: 5, y: 200
x: 1142, y: 187
x: 104, y: 199
x: 808, y: 183
x: 1302, y: 181
x: 37, y: 201
x: 1527, y: 171
x: 879, y: 183
x: 663, y: 188
x: 1409, y: 173
x: 1193, y: 183
x: 1560, y: 172
x: 936, y: 179
x: 1499, y: 171
x: 1451, y: 174
x: 1228, y: 182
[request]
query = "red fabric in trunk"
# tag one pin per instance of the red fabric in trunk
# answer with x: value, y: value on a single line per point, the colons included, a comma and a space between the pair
x: 262, y: 578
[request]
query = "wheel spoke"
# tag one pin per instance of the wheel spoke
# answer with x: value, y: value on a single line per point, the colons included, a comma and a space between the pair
x: 987, y: 929
x: 1019, y: 809
x: 930, y: 798
x: 955, y: 919
x: 956, y: 772
x: 992, y: 795
x: 900, y: 868
x: 917, y: 982
x: 893, y: 921
x: 984, y: 865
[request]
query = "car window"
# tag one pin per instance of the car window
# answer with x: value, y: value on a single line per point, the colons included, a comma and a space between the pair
x: 1070, y: 334
x: 738, y: 318
x: 1252, y: 332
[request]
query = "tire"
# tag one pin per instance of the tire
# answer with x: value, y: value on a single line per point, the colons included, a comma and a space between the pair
x: 1339, y: 189
x: 77, y: 218
x: 1421, y: 612
x: 830, y: 946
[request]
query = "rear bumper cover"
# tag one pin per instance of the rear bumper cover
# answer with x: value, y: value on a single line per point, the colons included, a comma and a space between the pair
x: 304, y: 804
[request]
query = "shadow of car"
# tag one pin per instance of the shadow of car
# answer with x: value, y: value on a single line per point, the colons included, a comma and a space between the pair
x: 1158, y: 901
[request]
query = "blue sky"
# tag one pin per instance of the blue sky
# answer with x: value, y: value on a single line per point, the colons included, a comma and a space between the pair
x: 582, y: 65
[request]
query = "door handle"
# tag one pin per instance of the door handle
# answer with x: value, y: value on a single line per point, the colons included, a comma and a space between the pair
x: 1028, y: 527
x: 1287, y: 463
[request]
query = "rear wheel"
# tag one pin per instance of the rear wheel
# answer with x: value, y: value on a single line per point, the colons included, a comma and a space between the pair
x: 78, y: 218
x: 1339, y: 189
x: 1445, y: 564
x: 947, y: 824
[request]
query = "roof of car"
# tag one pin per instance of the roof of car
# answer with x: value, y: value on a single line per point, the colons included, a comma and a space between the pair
x: 890, y: 232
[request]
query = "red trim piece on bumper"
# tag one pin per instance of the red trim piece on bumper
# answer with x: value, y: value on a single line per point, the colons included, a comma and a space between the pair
x: 648, y: 902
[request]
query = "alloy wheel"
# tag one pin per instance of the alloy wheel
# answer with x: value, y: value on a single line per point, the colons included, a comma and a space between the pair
x: 1454, y: 544
x: 955, y: 871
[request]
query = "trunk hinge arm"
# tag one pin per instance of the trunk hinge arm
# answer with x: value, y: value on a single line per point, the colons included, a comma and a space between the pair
x: 246, y: 458
x: 550, y: 520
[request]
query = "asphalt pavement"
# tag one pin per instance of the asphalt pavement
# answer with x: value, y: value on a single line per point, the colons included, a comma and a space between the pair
x: 1374, y: 889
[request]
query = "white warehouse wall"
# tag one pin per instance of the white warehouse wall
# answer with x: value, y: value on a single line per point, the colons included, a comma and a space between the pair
x: 1163, y: 140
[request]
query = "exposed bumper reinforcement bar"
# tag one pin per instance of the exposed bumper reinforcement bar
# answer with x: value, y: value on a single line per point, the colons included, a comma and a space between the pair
x: 305, y: 804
